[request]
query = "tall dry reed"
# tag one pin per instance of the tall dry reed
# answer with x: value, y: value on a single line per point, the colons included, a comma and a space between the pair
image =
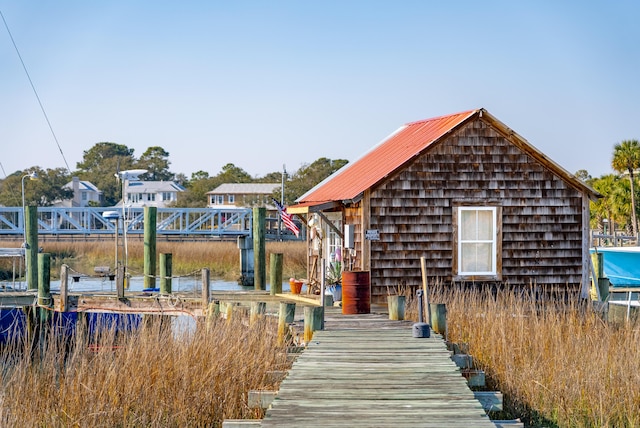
x: 556, y: 361
x: 151, y: 378
x: 220, y: 257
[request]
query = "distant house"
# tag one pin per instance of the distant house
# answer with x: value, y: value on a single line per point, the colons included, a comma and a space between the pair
x: 151, y: 193
x: 247, y: 195
x: 464, y: 191
x: 85, y: 194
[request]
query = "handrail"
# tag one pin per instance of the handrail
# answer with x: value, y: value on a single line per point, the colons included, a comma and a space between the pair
x: 91, y: 220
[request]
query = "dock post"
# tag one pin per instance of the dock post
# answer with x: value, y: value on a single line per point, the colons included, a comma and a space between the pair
x: 313, y: 320
x: 205, y: 288
x: 603, y: 281
x: 31, y: 247
x: 258, y: 309
x: 165, y: 273
x: 150, y: 220
x: 64, y: 288
x: 245, y: 245
x: 213, y: 309
x: 120, y: 281
x: 226, y: 309
x: 44, y: 286
x: 275, y: 273
x: 396, y: 306
x: 286, y: 316
x: 259, y: 246
x: 438, y: 319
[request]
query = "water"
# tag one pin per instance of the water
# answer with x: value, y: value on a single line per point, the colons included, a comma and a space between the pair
x: 12, y: 321
x: 136, y: 284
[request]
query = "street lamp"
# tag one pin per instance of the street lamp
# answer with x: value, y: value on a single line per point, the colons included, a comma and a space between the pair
x: 32, y: 176
x: 126, y: 177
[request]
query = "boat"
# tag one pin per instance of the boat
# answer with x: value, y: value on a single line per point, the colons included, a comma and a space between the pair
x: 621, y: 266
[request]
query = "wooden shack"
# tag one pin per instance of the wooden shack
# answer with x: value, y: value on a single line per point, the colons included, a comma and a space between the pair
x: 466, y: 192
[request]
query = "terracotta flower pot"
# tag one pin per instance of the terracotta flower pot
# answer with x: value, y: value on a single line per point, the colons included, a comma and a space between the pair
x: 296, y: 286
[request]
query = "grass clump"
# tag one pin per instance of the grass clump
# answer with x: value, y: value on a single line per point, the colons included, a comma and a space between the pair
x: 150, y: 377
x: 555, y: 360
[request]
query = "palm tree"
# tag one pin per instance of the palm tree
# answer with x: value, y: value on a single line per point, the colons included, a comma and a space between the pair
x: 603, y: 208
x: 626, y: 158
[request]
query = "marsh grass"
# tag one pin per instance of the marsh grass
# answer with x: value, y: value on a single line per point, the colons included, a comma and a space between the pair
x: 150, y: 377
x: 222, y: 258
x: 555, y: 360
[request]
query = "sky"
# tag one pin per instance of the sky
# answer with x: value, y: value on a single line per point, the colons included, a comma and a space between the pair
x: 267, y: 84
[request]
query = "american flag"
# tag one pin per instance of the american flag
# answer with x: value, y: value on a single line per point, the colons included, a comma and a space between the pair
x: 286, y: 218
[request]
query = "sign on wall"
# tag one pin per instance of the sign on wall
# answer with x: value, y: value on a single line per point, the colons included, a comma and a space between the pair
x: 372, y: 235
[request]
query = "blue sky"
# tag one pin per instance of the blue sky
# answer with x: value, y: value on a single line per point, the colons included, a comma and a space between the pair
x: 264, y: 83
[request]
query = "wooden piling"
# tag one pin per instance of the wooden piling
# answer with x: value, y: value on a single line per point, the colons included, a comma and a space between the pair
x: 213, y: 310
x: 313, y: 320
x: 396, y: 306
x: 31, y: 247
x: 226, y: 309
x: 165, y: 273
x: 150, y: 227
x: 286, y: 316
x: 64, y: 288
x: 275, y: 273
x: 425, y: 290
x: 44, y: 286
x: 438, y: 320
x: 120, y: 273
x: 205, y: 287
x: 258, y: 310
x: 259, y: 246
x: 603, y: 281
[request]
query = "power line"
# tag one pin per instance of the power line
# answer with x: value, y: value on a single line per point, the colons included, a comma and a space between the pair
x: 35, y: 92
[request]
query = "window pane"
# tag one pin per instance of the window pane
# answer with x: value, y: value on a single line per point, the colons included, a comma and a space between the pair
x: 467, y: 225
x: 485, y: 224
x: 476, y: 257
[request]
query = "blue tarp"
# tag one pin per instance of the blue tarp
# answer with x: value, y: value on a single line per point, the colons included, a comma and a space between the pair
x: 13, y: 321
x: 621, y: 265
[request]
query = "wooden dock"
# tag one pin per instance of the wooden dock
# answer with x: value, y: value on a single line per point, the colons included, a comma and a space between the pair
x: 367, y: 371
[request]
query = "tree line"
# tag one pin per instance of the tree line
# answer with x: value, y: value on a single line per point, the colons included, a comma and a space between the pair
x: 101, y: 163
x: 617, y: 207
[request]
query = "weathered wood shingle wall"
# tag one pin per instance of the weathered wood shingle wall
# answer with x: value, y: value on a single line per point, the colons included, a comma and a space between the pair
x: 541, y: 213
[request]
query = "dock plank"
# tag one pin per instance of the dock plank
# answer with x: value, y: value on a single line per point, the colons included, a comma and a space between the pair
x: 354, y: 374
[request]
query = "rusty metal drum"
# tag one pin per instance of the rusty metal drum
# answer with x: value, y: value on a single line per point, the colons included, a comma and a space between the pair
x: 356, y: 292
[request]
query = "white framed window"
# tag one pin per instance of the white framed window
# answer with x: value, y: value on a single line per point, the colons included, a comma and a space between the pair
x: 478, y: 245
x: 218, y: 199
x: 231, y: 199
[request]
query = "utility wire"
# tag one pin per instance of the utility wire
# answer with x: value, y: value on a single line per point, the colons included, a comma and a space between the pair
x: 34, y: 91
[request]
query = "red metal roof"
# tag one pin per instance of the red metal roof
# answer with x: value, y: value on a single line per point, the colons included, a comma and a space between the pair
x: 385, y: 158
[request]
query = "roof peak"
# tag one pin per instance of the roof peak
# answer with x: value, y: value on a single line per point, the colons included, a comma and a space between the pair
x: 466, y: 112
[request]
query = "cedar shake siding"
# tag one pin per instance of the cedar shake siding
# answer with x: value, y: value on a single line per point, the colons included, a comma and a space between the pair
x: 523, y: 220
x: 541, y: 214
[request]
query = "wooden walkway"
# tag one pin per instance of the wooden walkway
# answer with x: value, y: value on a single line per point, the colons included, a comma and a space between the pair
x: 366, y: 371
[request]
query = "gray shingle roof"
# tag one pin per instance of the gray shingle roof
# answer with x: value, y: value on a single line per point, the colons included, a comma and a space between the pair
x: 245, y: 188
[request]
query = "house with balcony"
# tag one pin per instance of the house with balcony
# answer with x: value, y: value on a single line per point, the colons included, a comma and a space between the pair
x: 242, y: 195
x: 158, y: 194
x: 85, y: 194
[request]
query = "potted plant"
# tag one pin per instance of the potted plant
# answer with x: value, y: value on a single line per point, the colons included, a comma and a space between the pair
x: 333, y: 276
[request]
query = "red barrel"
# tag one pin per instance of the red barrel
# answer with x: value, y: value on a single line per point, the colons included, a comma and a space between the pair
x: 356, y: 292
